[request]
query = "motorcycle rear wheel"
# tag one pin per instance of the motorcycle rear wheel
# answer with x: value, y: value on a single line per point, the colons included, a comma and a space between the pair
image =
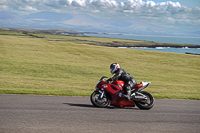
x: 97, y: 101
x: 148, y: 104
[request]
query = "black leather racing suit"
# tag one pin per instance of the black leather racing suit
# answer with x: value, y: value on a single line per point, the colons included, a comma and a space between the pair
x: 129, y: 80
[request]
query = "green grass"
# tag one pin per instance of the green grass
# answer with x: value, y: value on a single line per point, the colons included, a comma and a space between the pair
x: 31, y: 65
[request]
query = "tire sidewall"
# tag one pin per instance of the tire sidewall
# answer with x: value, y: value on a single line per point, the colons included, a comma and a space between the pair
x: 92, y: 99
x: 152, y: 100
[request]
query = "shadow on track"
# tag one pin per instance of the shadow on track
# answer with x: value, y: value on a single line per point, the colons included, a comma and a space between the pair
x: 86, y: 105
x: 80, y: 105
x: 91, y: 106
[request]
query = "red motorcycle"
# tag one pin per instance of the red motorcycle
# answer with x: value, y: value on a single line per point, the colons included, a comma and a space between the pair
x: 111, y: 94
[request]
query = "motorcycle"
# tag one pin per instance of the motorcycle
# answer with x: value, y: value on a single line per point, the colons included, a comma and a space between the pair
x: 111, y: 93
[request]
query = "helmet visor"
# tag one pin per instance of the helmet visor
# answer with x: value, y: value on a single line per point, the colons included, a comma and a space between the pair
x: 112, y: 66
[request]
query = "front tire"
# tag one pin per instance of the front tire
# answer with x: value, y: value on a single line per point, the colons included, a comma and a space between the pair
x: 97, y: 101
x: 147, y: 104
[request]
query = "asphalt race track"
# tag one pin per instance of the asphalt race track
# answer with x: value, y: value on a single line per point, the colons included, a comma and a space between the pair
x: 63, y: 114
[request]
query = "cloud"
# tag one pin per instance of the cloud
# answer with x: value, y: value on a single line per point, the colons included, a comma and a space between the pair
x: 28, y: 8
x: 171, y: 12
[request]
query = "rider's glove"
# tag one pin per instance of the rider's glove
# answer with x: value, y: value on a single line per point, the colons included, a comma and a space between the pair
x: 109, y: 80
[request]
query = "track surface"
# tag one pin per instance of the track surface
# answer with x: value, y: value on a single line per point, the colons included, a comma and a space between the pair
x: 63, y: 114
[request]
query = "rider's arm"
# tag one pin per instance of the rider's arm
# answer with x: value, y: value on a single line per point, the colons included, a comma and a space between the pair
x: 117, y: 74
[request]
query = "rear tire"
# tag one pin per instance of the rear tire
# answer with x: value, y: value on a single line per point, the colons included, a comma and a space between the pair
x: 148, y: 104
x: 97, y: 101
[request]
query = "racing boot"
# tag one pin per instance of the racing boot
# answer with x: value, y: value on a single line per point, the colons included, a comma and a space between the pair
x: 128, y: 96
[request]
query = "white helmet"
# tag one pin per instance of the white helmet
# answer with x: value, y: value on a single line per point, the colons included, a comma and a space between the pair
x: 114, y: 67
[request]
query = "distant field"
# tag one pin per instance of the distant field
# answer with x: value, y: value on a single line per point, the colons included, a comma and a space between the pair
x: 99, y: 41
x: 46, y: 64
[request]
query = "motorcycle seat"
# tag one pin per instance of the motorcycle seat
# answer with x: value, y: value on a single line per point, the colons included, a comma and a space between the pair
x: 137, y: 86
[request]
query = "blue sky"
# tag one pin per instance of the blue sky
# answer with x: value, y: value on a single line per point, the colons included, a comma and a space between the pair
x: 132, y: 16
x: 189, y: 3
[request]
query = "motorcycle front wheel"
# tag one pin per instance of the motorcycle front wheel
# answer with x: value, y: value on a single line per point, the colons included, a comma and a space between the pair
x: 145, y: 104
x: 97, y: 101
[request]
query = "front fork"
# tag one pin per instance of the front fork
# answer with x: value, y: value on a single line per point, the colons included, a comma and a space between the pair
x: 102, y: 93
x: 100, y: 98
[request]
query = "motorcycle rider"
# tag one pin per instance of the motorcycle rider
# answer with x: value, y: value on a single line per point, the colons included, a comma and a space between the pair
x: 121, y: 74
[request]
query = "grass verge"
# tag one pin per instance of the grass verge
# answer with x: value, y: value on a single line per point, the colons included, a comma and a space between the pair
x: 31, y: 65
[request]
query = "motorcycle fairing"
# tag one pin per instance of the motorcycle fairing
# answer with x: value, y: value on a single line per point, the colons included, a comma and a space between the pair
x: 116, y: 100
x: 119, y: 83
x: 120, y: 102
x: 111, y: 89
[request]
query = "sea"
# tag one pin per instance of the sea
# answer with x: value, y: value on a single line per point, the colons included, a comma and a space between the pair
x: 164, y: 39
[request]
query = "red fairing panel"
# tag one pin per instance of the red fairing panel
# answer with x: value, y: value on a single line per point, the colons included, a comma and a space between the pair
x: 111, y: 89
x: 120, y: 83
x: 120, y: 102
